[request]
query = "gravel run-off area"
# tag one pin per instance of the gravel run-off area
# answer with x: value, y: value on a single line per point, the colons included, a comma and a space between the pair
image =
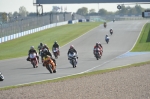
x: 129, y: 83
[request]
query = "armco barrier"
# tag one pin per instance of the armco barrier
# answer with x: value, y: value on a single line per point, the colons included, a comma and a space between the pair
x: 17, y: 35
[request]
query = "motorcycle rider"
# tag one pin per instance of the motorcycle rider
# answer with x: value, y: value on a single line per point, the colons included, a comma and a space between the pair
x: 72, y: 50
x: 32, y: 50
x: 113, y: 20
x: 56, y: 45
x: 97, y: 46
x: 111, y: 30
x: 45, y: 53
x: 40, y: 47
x: 105, y: 24
x: 101, y: 47
x: 45, y: 46
x: 106, y: 37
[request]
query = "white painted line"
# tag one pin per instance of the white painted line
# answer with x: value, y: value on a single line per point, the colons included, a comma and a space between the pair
x: 138, y: 36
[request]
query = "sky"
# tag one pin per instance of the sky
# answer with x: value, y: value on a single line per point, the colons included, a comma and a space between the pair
x: 13, y: 5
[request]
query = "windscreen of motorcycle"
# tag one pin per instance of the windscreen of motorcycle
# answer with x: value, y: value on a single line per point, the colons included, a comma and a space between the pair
x: 33, y: 55
x: 72, y: 55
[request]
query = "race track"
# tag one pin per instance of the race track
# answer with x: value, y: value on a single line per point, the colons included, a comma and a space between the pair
x: 19, y: 71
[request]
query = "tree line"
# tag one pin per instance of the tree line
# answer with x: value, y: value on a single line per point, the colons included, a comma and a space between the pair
x: 136, y: 10
x: 23, y: 13
x: 5, y: 17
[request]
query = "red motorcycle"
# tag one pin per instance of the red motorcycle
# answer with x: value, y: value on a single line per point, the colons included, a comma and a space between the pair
x: 97, y: 53
x: 33, y: 60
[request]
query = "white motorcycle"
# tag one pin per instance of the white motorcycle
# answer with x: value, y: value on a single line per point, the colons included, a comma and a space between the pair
x: 73, y: 59
x: 1, y: 77
x: 33, y: 60
x: 55, y: 52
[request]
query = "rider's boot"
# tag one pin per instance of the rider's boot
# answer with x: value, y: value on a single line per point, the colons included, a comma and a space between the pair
x: 36, y: 62
x: 54, y: 61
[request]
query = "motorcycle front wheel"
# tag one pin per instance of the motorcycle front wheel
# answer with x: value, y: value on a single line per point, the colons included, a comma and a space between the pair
x: 49, y: 67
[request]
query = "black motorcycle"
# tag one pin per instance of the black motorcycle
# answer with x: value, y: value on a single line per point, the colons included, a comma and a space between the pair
x: 1, y: 77
x: 111, y: 32
x: 72, y: 57
x: 97, y: 55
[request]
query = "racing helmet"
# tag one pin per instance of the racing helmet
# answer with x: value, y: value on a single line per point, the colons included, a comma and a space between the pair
x: 96, y: 43
x: 55, y: 42
x: 32, y: 47
x: 41, y: 44
x: 71, y: 46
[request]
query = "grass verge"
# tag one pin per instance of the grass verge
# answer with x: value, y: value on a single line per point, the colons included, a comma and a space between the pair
x: 143, y: 43
x: 78, y: 75
x: 63, y: 34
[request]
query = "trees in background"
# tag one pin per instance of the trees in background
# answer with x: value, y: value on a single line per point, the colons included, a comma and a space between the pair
x: 92, y: 11
x: 23, y: 12
x: 5, y: 17
x: 82, y: 11
x: 102, y: 12
x: 136, y: 10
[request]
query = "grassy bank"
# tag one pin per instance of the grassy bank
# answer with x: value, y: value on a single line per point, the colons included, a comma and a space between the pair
x: 63, y: 34
x: 78, y: 76
x: 143, y: 43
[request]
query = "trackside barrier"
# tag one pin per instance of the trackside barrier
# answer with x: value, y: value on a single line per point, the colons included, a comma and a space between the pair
x: 82, y: 20
x: 17, y: 35
x: 72, y: 21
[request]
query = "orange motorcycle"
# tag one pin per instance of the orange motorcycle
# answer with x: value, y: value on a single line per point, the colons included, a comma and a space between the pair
x: 49, y: 64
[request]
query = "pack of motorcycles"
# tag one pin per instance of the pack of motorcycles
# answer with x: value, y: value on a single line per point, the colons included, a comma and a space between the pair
x: 72, y: 58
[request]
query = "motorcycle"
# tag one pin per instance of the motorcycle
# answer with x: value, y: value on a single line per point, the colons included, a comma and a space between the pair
x: 73, y: 59
x: 1, y: 77
x: 50, y: 65
x: 33, y: 60
x: 55, y: 52
x: 105, y: 25
x: 111, y: 32
x: 97, y: 53
x: 107, y: 40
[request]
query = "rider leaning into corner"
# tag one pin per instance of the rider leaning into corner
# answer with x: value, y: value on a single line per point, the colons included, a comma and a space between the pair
x: 56, y: 45
x: 72, y: 50
x: 47, y: 52
x: 32, y: 50
x: 98, y: 46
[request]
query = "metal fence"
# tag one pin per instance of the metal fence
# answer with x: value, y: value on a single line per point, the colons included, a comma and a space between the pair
x: 20, y: 25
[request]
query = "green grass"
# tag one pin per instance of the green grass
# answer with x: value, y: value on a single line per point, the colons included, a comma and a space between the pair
x: 63, y: 34
x: 78, y: 75
x: 143, y: 43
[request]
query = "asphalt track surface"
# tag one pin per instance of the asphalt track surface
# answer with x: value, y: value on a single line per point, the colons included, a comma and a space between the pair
x: 19, y: 71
